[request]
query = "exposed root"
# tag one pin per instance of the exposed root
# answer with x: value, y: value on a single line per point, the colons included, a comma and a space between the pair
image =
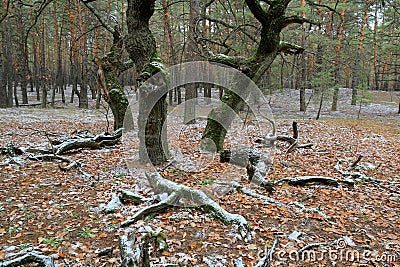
x: 27, y: 257
x: 177, y: 192
x: 292, y: 140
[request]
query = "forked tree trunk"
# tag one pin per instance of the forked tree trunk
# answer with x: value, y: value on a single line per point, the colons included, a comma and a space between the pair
x: 273, y: 21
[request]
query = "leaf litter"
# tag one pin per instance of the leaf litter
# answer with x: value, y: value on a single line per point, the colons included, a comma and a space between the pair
x: 57, y: 213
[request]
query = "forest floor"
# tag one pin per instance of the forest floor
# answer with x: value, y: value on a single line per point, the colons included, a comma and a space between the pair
x: 57, y: 212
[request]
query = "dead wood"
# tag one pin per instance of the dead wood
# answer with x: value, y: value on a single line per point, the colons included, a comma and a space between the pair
x: 240, y: 188
x: 11, y: 151
x: 257, y: 165
x: 292, y: 140
x: 38, y: 104
x: 136, y: 254
x: 71, y: 163
x: 82, y: 139
x: 159, y: 207
x: 267, y: 259
x: 127, y: 196
x: 27, y: 257
x: 306, y: 180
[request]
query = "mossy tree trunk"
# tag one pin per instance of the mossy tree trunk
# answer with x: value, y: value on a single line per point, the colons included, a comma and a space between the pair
x: 141, y: 46
x: 110, y: 68
x: 273, y: 20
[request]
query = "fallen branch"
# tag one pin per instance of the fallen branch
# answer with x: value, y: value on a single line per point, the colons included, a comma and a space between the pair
x: 314, y: 210
x: 28, y: 257
x: 238, y: 187
x: 305, y: 180
x: 39, y: 104
x: 292, y: 140
x: 155, y: 208
x: 266, y: 260
x: 72, y: 163
x: 355, y: 163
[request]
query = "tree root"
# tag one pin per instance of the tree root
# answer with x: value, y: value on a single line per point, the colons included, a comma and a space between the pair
x: 240, y: 188
x: 72, y: 163
x: 62, y: 146
x: 176, y: 193
x: 358, y: 177
x: 123, y: 196
x: 26, y: 257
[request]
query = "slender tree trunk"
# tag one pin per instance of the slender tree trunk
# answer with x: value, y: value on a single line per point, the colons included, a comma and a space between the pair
x: 83, y: 92
x: 338, y: 63
x: 303, y: 83
x: 190, y: 92
x: 169, y: 47
x: 4, y: 67
x: 21, y: 55
x: 15, y: 92
x: 43, y: 72
x: 356, y: 66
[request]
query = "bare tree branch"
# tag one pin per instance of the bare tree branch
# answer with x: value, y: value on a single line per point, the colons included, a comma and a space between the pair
x: 42, y: 7
x: 90, y: 7
x: 4, y: 16
x: 296, y: 19
x: 311, y: 3
x: 257, y: 10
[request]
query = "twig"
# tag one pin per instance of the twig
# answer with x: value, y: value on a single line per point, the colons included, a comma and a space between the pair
x: 267, y: 259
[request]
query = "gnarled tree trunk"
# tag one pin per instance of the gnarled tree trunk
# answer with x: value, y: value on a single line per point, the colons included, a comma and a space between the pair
x: 273, y: 21
x: 141, y: 46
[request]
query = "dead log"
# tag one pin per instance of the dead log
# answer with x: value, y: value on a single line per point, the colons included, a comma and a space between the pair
x: 27, y: 257
x: 38, y: 104
x: 86, y: 140
x: 257, y: 165
x: 76, y: 144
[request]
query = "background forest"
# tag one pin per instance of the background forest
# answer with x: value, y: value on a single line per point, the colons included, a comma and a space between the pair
x: 49, y: 45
